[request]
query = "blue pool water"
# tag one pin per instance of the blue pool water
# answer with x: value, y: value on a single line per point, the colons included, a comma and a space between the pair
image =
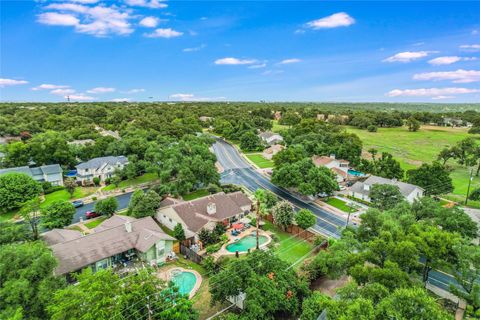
x: 355, y: 173
x: 184, y: 280
x: 247, y: 242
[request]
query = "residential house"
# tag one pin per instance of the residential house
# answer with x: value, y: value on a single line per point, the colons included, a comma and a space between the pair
x: 338, y: 166
x: 52, y: 173
x: 361, y: 190
x: 205, y: 118
x: 204, y: 213
x: 107, y: 133
x: 271, y: 151
x: 277, y: 115
x: 452, y: 122
x: 102, y: 168
x: 270, y: 138
x: 115, y: 241
x: 322, y: 117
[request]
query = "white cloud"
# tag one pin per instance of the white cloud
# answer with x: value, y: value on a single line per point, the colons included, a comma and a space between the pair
x: 234, y: 61
x: 430, y: 92
x: 336, y: 20
x: 289, y: 61
x: 58, y: 19
x: 272, y: 72
x: 85, y: 1
x: 449, y: 60
x: 47, y: 86
x: 164, y: 33
x: 132, y: 91
x: 470, y: 47
x: 408, y: 56
x: 458, y: 76
x: 442, y: 97
x: 200, y: 47
x: 79, y: 97
x: 101, y: 90
x: 149, y: 22
x: 11, y: 82
x: 192, y: 97
x: 257, y: 66
x: 121, y: 100
x: 62, y: 92
x: 152, y: 4
x: 98, y: 20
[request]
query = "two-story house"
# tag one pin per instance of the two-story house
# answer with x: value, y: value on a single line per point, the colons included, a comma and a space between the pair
x: 52, y: 173
x: 338, y: 166
x: 102, y: 168
x: 361, y: 190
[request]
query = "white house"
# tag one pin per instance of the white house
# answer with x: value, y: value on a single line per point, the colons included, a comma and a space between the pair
x: 338, y: 166
x: 270, y: 138
x: 272, y: 150
x: 204, y: 213
x: 102, y: 168
x: 52, y: 173
x: 361, y: 190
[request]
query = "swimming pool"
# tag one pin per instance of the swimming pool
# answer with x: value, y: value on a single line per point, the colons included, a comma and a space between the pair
x: 184, y: 280
x: 355, y: 173
x: 245, y: 243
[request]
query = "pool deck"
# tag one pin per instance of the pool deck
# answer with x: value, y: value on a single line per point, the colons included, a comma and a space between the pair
x: 232, y: 239
x: 166, y: 275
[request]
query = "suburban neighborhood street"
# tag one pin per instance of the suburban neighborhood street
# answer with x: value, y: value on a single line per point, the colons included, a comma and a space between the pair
x: 80, y: 212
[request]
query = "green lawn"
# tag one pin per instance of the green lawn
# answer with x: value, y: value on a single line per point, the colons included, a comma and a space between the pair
x: 94, y: 223
x: 411, y: 149
x: 7, y: 216
x: 339, y: 204
x: 195, y: 194
x: 259, y: 160
x: 291, y: 248
x: 147, y: 177
x: 278, y: 127
x: 63, y: 195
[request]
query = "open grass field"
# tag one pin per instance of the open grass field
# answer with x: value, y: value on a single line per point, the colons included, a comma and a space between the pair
x: 259, y: 160
x: 195, y: 194
x: 278, y: 127
x: 147, y: 177
x: 414, y: 148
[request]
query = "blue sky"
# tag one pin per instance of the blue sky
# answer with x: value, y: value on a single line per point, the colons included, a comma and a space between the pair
x: 143, y: 50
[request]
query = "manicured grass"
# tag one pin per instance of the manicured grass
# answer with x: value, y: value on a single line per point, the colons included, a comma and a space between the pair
x: 7, y: 216
x: 147, y: 177
x: 76, y: 228
x: 291, y: 248
x: 63, y: 195
x: 278, y: 127
x: 259, y: 160
x: 195, y: 194
x: 411, y: 149
x: 94, y: 223
x: 339, y: 204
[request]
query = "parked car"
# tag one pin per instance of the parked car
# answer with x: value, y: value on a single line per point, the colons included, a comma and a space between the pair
x: 92, y: 214
x: 77, y: 203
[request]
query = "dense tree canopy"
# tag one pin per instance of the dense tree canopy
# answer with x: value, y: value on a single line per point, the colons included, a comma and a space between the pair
x: 58, y: 215
x: 16, y: 189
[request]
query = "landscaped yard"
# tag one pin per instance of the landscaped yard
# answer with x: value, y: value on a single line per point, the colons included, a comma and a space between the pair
x: 195, y: 194
x: 259, y: 160
x: 147, y: 177
x: 63, y: 195
x: 339, y: 204
x: 411, y: 149
x: 278, y: 127
x: 94, y: 223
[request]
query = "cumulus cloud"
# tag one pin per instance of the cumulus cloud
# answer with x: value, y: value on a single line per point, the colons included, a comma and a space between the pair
x: 152, y: 4
x: 47, y: 86
x: 62, y: 92
x: 164, y: 33
x: 11, y: 82
x: 289, y: 61
x: 79, y: 97
x: 470, y: 47
x: 408, y: 56
x: 458, y: 76
x: 429, y: 92
x: 257, y: 66
x: 132, y: 91
x: 192, y: 97
x: 149, y: 22
x: 449, y: 60
x: 336, y: 20
x: 99, y: 20
x: 234, y: 61
x: 121, y: 100
x: 101, y: 90
x: 442, y: 97
x: 193, y: 49
x: 85, y: 1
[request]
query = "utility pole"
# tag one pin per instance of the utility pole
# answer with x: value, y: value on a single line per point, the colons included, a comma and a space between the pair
x: 469, y: 183
x: 258, y: 222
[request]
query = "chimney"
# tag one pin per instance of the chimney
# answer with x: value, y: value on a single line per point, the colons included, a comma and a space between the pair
x: 366, y: 187
x: 332, y: 156
x: 211, y: 208
x: 394, y: 180
x: 128, y: 227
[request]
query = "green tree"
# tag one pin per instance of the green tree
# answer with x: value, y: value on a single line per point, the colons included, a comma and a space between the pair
x: 30, y: 213
x: 16, y: 189
x: 305, y: 218
x: 11, y: 232
x: 51, y: 147
x: 17, y: 154
x: 433, y: 178
x: 106, y: 206
x: 70, y: 185
x: 385, y: 196
x: 58, y: 215
x: 249, y: 141
x: 144, y: 204
x: 178, y: 232
x: 467, y: 267
x: 446, y: 154
x: 27, y: 280
x: 283, y: 214
x: 413, y: 124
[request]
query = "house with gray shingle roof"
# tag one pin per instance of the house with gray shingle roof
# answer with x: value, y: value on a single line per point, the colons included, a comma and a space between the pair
x: 52, y: 173
x: 205, y: 212
x: 361, y: 190
x: 114, y: 241
x: 270, y: 138
x: 102, y: 168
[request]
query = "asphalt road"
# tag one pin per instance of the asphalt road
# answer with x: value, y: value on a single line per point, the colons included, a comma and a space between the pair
x: 122, y: 199
x: 239, y: 171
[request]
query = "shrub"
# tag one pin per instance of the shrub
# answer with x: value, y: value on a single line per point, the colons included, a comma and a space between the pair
x: 475, y: 195
x: 94, y: 198
x: 210, y: 266
x: 318, y: 241
x: 372, y: 128
x: 96, y: 181
x: 212, y: 248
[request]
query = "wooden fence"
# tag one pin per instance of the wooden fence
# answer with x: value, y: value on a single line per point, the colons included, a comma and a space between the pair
x: 297, y: 231
x: 190, y: 254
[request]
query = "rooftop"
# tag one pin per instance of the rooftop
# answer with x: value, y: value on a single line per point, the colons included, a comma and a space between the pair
x: 99, y: 162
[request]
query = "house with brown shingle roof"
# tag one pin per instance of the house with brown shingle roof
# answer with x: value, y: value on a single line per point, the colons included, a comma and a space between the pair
x: 205, y: 212
x: 113, y: 242
x: 271, y: 151
x: 338, y: 166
